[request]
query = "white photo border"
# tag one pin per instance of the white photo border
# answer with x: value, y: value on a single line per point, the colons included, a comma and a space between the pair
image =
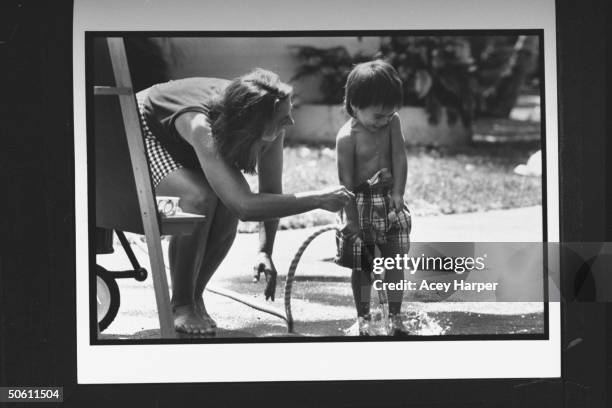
x: 183, y: 363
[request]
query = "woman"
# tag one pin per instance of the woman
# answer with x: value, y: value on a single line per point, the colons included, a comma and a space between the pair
x: 200, y: 133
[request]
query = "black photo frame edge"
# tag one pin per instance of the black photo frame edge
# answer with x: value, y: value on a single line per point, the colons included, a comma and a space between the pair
x: 90, y: 65
x: 38, y: 330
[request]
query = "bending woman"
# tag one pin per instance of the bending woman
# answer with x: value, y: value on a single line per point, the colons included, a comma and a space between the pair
x: 200, y: 134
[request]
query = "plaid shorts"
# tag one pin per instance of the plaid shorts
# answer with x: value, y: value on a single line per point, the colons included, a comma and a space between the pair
x: 377, y: 229
x: 161, y: 162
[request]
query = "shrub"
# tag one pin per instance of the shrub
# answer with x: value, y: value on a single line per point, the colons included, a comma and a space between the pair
x: 469, y: 76
x: 332, y: 64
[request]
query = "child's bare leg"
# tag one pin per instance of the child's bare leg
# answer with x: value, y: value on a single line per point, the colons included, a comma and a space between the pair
x: 395, y: 323
x: 393, y: 276
x: 361, y: 284
x: 395, y: 296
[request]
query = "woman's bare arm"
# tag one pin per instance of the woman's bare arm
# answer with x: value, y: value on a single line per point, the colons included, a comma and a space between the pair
x: 231, y: 187
x: 270, y: 173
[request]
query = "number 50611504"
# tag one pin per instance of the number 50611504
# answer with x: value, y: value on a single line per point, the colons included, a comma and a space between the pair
x: 30, y: 394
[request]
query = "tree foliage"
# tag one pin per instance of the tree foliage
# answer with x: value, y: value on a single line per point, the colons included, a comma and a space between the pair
x: 331, y: 64
x: 468, y: 76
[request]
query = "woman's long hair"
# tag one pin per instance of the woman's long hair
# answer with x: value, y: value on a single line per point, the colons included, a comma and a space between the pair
x: 240, y: 116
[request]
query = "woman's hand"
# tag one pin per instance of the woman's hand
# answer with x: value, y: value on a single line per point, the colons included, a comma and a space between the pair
x: 335, y: 198
x: 264, y: 264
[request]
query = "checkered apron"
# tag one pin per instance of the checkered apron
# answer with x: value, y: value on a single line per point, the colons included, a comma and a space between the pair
x: 376, y: 226
x: 161, y: 162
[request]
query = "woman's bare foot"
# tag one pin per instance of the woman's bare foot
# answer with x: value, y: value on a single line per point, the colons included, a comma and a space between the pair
x: 201, y: 309
x: 188, y: 320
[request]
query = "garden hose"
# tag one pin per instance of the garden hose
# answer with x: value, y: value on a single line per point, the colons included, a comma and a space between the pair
x: 293, y: 267
x: 244, y: 300
x: 230, y: 293
x: 382, y: 295
x: 288, y: 318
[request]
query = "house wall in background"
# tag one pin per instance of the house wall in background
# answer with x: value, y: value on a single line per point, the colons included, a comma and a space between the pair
x: 231, y: 57
x: 228, y: 57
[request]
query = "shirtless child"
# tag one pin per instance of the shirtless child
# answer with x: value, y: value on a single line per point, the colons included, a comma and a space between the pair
x: 372, y: 164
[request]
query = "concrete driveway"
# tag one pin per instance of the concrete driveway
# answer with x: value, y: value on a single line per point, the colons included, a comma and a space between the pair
x: 322, y: 300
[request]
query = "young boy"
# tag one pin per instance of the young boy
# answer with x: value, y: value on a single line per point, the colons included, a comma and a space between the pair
x: 372, y: 163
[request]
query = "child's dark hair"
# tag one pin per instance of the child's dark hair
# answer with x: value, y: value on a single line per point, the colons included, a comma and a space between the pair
x: 373, y: 83
x: 239, y: 118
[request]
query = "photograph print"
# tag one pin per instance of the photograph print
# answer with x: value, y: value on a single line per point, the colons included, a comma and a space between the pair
x: 316, y: 186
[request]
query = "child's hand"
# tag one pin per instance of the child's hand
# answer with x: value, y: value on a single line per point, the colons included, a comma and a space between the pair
x: 393, y: 218
x: 351, y: 230
x: 397, y: 205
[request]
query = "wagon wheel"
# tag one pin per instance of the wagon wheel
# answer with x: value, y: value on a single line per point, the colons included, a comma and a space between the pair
x: 107, y: 297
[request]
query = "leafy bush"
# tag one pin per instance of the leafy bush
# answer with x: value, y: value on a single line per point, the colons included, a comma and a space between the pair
x: 469, y: 76
x: 436, y: 72
x: 332, y: 64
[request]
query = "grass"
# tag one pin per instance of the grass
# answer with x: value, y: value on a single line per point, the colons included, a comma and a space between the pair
x: 440, y: 180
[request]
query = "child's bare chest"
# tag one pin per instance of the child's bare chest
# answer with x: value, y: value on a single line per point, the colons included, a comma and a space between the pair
x: 372, y: 153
